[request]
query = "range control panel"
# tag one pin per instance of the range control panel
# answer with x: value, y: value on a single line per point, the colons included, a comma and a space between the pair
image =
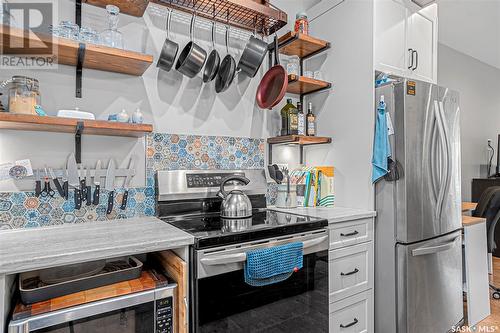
x: 200, y: 180
x: 164, y: 315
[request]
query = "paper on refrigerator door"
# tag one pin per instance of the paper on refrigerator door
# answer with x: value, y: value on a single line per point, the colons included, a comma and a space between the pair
x: 390, y: 126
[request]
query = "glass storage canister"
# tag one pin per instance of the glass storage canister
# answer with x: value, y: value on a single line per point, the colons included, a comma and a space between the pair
x: 24, y: 94
x: 302, y: 24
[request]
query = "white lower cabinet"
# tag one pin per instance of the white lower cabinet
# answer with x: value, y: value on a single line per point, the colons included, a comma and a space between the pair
x: 351, y: 277
x: 353, y: 314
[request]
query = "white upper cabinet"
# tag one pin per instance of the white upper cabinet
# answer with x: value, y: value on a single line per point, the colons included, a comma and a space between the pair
x: 406, y: 40
x: 390, y: 37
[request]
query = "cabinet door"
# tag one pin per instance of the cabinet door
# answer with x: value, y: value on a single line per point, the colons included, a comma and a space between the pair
x: 422, y: 37
x: 391, y: 55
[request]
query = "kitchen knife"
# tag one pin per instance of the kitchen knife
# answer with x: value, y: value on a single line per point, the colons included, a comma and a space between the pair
x: 83, y: 182
x: 65, y: 184
x: 73, y: 180
x: 126, y: 183
x: 38, y: 184
x: 97, y: 183
x: 110, y: 181
x: 88, y: 189
x: 59, y: 188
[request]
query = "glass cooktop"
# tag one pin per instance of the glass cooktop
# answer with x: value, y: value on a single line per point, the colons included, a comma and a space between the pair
x: 211, y: 230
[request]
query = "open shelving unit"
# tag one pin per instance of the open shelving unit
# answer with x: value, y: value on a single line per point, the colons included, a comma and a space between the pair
x: 305, y: 47
x: 299, y: 140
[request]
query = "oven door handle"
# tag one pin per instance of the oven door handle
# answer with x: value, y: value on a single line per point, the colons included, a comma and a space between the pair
x: 242, y: 257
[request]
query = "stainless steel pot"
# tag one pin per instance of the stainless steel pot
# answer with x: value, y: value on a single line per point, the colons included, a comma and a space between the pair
x: 192, y: 57
x: 169, y: 49
x: 235, y: 204
x: 252, y: 57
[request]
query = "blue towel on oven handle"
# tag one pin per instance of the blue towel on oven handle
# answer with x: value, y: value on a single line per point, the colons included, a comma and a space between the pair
x: 271, y: 265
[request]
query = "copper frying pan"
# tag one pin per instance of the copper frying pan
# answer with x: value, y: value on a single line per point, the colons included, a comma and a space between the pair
x: 272, y: 87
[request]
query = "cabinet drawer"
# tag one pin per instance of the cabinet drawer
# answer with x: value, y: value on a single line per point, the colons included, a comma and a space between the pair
x: 353, y: 314
x: 351, y: 233
x: 350, y: 271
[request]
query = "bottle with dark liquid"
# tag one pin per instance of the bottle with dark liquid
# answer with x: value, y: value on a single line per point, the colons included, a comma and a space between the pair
x: 311, y: 121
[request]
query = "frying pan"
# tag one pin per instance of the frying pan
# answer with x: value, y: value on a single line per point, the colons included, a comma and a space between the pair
x: 169, y: 49
x: 227, y: 69
x: 213, y: 61
x: 272, y: 87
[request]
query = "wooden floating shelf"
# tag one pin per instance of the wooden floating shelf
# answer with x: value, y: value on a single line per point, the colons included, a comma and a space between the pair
x: 130, y: 7
x: 96, y: 56
x: 26, y: 122
x: 299, y: 140
x: 301, y: 45
x: 301, y: 85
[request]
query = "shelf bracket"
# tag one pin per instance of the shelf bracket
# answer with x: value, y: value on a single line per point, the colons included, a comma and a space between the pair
x: 78, y: 141
x: 78, y: 12
x: 79, y: 69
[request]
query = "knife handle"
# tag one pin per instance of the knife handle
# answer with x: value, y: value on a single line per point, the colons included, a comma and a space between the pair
x: 88, y: 191
x: 58, y: 187
x: 66, y: 190
x: 95, y: 201
x: 78, y: 198
x: 124, y: 201
x: 83, y: 189
x: 111, y: 199
x: 38, y: 188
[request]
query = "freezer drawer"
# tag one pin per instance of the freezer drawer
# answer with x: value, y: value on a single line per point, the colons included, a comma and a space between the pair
x: 430, y: 284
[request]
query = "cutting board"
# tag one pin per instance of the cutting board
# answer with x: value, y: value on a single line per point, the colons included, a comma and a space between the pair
x: 177, y: 270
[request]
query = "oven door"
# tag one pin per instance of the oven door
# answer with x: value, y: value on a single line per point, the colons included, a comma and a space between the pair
x: 225, y: 303
x: 143, y: 312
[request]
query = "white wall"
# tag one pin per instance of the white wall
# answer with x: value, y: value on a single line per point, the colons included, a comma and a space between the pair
x: 173, y: 103
x: 478, y: 85
x: 347, y: 113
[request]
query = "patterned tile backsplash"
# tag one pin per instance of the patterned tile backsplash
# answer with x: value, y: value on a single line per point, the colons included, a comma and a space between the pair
x: 163, y: 152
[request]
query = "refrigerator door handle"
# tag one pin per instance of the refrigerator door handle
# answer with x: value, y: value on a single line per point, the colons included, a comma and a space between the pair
x: 433, y: 177
x: 444, y: 153
x: 425, y: 250
x: 448, y: 147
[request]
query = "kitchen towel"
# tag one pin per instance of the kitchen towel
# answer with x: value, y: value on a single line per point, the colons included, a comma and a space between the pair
x: 267, y: 266
x: 381, y: 145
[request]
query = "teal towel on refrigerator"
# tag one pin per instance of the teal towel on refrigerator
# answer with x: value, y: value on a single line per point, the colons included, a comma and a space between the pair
x: 381, y: 145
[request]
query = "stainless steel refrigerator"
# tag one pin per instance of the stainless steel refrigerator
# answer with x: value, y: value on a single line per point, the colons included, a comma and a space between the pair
x: 418, y: 259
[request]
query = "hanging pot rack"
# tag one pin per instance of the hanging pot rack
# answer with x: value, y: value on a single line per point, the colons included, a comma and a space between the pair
x: 242, y: 13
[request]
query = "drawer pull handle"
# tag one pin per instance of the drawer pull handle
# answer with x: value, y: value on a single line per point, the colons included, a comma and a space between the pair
x: 354, y: 233
x: 350, y: 273
x: 354, y: 322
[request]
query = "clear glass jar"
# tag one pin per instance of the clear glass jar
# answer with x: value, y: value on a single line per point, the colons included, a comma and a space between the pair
x: 112, y: 37
x: 24, y: 94
x: 293, y: 65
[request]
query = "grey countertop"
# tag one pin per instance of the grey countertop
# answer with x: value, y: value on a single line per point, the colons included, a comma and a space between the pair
x: 332, y: 214
x: 31, y: 249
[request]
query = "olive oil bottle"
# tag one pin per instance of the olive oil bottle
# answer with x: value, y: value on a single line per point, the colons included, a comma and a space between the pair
x: 293, y: 120
x: 284, y: 117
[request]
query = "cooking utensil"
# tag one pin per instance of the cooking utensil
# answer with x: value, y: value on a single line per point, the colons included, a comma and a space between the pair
x: 169, y: 50
x: 253, y: 55
x: 213, y: 61
x: 83, y: 182
x: 235, y: 204
x: 272, y: 87
x: 110, y: 181
x: 279, y: 174
x: 73, y: 180
x: 88, y: 189
x: 59, y: 188
x: 47, y: 190
x: 192, y: 57
x: 65, y: 184
x: 227, y: 69
x: 288, y: 199
x: 272, y: 173
x: 97, y: 184
x: 38, y: 183
x: 126, y: 183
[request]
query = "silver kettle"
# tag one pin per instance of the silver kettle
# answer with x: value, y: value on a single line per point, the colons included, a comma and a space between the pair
x: 235, y: 204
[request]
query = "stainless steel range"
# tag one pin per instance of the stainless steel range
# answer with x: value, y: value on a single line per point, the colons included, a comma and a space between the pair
x: 221, y: 300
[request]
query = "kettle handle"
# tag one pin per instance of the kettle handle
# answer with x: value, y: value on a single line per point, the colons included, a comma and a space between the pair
x: 241, y: 179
